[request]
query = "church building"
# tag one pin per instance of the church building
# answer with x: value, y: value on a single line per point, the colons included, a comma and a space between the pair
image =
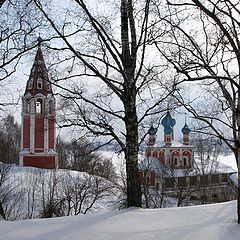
x: 170, y: 167
x: 38, y: 148
x: 171, y: 153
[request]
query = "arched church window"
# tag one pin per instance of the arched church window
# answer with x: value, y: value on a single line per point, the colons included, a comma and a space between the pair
x: 175, y: 160
x: 39, y: 106
x: 39, y: 83
x: 184, y: 161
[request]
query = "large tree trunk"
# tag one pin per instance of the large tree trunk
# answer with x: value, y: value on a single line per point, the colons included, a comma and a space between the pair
x: 131, y: 155
x: 129, y: 101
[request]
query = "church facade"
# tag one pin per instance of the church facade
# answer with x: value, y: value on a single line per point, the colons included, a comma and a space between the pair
x: 171, y: 153
x: 38, y: 148
x: 170, y: 168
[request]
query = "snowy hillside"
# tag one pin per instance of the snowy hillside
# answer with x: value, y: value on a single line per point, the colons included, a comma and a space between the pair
x: 213, y: 222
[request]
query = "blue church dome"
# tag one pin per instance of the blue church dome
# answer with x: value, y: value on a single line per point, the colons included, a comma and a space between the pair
x: 168, y: 130
x: 152, y: 130
x: 168, y: 121
x: 185, y: 129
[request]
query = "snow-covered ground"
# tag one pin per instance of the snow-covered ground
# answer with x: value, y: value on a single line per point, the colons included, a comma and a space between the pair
x: 213, y: 222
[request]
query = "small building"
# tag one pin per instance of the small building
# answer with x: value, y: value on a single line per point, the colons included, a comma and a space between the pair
x: 38, y: 147
x: 170, y: 167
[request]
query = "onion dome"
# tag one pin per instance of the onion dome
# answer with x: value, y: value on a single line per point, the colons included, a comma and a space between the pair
x: 185, y: 129
x: 152, y: 131
x: 168, y: 130
x: 168, y: 120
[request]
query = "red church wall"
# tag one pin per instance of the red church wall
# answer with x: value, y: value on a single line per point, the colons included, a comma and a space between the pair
x: 39, y: 134
x: 155, y: 154
x: 188, y: 154
x: 186, y: 139
x: 26, y: 132
x: 39, y: 161
x: 161, y: 157
x: 51, y: 133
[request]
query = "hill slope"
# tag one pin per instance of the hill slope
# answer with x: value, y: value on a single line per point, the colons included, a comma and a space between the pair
x: 213, y: 222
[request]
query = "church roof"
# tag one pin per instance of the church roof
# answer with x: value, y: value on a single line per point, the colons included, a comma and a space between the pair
x: 185, y: 129
x: 152, y: 130
x: 168, y: 121
x: 38, y: 81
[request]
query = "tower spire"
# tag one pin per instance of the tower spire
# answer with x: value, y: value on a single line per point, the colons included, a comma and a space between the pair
x: 38, y: 81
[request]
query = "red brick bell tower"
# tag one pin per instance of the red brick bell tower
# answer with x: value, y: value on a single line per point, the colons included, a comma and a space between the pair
x: 38, y: 119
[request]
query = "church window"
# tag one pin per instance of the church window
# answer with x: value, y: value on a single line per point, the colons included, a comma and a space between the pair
x: 175, y: 160
x: 39, y: 83
x: 39, y: 106
x: 184, y: 161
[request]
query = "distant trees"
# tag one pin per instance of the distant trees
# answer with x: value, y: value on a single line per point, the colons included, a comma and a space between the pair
x: 10, y: 139
x: 81, y: 155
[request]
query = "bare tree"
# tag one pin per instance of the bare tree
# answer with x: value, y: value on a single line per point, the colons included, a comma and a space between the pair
x: 11, y: 196
x: 49, y: 181
x: 81, y: 193
x: 126, y: 81
x: 206, y: 53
